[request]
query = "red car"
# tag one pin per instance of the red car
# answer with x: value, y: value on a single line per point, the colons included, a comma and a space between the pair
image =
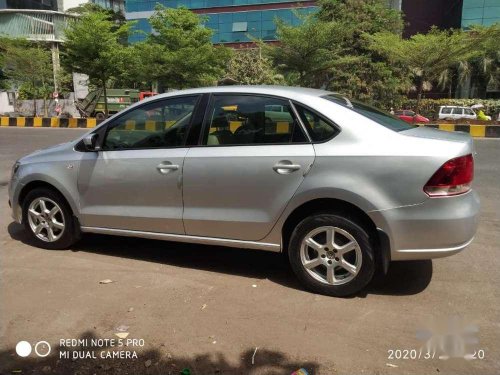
x: 411, y: 117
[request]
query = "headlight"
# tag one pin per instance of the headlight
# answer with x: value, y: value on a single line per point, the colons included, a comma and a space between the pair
x: 15, y: 167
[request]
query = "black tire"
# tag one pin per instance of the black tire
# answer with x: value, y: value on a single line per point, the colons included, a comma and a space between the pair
x: 100, y: 116
x: 363, y: 276
x: 68, y: 236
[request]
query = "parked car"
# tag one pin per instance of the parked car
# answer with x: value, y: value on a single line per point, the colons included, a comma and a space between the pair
x: 341, y: 187
x: 452, y: 112
x: 411, y: 117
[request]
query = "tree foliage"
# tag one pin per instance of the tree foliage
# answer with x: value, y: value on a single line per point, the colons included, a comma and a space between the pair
x: 426, y: 56
x: 484, y: 67
x: 28, y: 67
x: 307, y: 53
x: 93, y: 47
x: 179, y: 54
x: 115, y: 16
x: 329, y: 50
x: 360, y: 17
x: 251, y: 67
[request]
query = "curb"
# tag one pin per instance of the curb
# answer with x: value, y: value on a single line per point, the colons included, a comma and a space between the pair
x: 48, y: 122
x: 481, y: 131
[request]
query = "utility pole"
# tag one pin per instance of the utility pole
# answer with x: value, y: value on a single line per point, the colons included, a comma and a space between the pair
x: 55, y: 63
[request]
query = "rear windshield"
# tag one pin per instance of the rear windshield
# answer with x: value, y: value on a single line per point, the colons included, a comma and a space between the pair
x: 380, y: 117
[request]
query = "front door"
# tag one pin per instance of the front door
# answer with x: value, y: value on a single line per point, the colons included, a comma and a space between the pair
x: 135, y: 181
x: 254, y: 157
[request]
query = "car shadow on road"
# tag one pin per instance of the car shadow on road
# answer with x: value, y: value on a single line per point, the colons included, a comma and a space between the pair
x: 161, y: 360
x: 403, y: 278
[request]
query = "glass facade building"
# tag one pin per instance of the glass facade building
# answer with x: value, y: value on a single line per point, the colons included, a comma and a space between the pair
x: 29, y: 4
x: 116, y: 5
x: 233, y: 21
x: 480, y: 12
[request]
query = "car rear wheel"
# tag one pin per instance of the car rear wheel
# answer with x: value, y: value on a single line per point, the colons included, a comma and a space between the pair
x: 331, y: 255
x: 48, y: 219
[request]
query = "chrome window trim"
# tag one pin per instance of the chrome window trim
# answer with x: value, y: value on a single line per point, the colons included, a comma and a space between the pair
x: 301, y: 124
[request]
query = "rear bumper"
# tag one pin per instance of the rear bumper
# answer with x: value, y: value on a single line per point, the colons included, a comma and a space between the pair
x: 436, y: 228
x: 418, y: 254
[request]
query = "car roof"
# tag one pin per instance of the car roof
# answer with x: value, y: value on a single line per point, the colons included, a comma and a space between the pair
x: 453, y: 106
x: 284, y: 91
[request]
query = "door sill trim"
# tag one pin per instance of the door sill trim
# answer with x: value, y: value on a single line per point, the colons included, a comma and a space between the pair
x: 186, y: 238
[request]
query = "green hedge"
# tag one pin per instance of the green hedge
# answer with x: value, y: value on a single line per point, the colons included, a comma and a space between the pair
x: 430, y: 107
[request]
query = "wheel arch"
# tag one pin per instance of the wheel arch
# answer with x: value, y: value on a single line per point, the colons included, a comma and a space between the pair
x: 345, y: 209
x: 30, y: 186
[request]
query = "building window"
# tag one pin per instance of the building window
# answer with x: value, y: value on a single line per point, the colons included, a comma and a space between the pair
x: 240, y: 26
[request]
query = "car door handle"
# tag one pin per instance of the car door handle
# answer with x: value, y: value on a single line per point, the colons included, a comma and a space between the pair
x: 166, y: 167
x: 285, y: 167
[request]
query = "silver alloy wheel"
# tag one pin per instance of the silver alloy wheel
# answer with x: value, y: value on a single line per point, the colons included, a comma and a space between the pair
x: 331, y: 255
x: 46, y: 219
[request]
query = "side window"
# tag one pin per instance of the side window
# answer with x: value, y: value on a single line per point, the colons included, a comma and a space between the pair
x: 446, y: 110
x: 156, y: 125
x: 248, y: 119
x: 319, y: 128
x: 458, y: 111
x: 468, y: 111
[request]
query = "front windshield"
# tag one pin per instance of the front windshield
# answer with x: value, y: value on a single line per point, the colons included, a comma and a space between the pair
x: 380, y: 117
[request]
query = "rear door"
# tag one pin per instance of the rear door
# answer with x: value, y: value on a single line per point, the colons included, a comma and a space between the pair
x: 457, y: 113
x: 253, y: 157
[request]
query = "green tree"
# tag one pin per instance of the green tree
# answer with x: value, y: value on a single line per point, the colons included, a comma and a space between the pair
x: 307, y: 53
x: 359, y: 17
x: 329, y: 50
x: 93, y: 47
x: 250, y: 67
x: 28, y: 66
x: 117, y: 17
x: 484, y: 69
x: 3, y: 78
x: 179, y: 54
x: 427, y: 56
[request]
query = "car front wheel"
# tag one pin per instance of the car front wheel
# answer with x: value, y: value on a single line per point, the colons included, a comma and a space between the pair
x: 48, y: 219
x: 331, y: 255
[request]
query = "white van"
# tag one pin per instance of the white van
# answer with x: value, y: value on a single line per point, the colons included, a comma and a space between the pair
x: 454, y: 112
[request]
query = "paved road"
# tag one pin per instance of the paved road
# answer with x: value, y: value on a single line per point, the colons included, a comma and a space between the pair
x: 209, y: 308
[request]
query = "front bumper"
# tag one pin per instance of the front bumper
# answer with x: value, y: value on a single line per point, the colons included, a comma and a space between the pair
x: 15, y: 188
x: 436, y: 228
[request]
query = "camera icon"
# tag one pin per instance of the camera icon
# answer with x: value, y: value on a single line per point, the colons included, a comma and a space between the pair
x: 42, y: 348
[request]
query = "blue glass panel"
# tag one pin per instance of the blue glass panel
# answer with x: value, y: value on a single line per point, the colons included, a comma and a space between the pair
x: 472, y: 13
x: 225, y: 18
x: 492, y: 12
x: 491, y: 3
x: 473, y: 4
x: 260, y: 23
x: 240, y: 16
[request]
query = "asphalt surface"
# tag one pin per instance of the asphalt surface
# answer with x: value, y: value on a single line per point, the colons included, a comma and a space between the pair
x: 229, y: 311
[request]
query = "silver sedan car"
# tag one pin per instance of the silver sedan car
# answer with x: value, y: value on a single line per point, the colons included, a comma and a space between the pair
x: 341, y: 187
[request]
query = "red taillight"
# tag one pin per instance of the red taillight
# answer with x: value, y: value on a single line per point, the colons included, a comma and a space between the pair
x: 454, y: 177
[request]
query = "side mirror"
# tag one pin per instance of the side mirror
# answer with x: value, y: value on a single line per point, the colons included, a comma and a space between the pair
x: 90, y: 142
